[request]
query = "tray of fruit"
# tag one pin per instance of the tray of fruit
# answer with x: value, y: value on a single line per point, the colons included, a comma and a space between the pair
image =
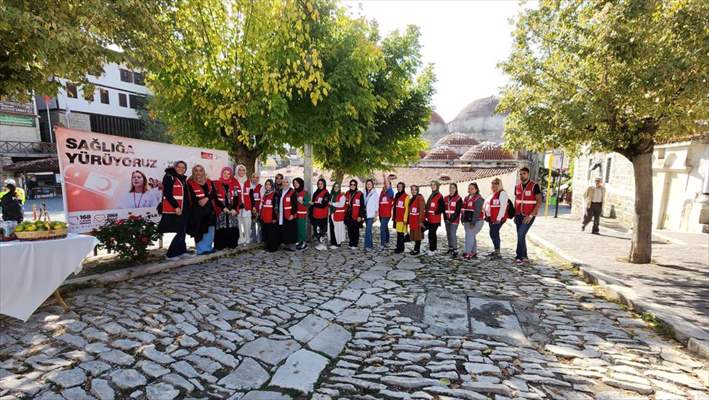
x: 40, y: 230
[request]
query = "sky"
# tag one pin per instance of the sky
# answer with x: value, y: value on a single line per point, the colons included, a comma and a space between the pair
x: 465, y: 40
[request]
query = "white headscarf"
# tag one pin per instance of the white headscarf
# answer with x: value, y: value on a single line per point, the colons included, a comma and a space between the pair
x: 241, y: 179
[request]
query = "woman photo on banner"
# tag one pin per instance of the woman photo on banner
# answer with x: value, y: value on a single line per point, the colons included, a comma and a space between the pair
x: 140, y: 194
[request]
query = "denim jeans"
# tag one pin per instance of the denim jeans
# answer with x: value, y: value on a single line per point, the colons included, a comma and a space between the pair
x: 522, y: 230
x: 205, y: 245
x: 495, y: 233
x: 368, y: 240
x: 255, y: 231
x: 471, y: 231
x: 178, y: 245
x: 452, y: 235
x: 384, y: 232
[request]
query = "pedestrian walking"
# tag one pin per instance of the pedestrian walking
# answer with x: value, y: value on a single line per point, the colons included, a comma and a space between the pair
x: 473, y: 220
x: 269, y: 218
x: 226, y: 235
x: 302, y: 204
x: 337, y: 216
x: 594, y: 197
x: 416, y: 218
x: 354, y: 213
x: 246, y: 201
x: 371, y: 205
x: 400, y: 216
x: 386, y: 201
x: 453, y: 207
x: 496, y: 214
x: 175, y: 209
x: 528, y: 199
x: 319, y: 212
x: 256, y: 194
x: 435, y: 207
x: 203, y: 216
x: 287, y: 213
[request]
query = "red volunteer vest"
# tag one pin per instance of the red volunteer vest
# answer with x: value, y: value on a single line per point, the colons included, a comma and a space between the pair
x: 450, y: 207
x: 495, y: 207
x: 178, y: 192
x: 469, y: 205
x: 287, y: 205
x: 400, y: 208
x: 385, y: 204
x: 339, y: 214
x: 266, y: 208
x: 222, y: 194
x: 320, y: 213
x: 431, y: 208
x: 525, y: 201
x: 244, y: 193
x: 355, y: 202
x: 415, y: 217
x: 199, y: 192
x: 257, y: 196
x: 302, y: 209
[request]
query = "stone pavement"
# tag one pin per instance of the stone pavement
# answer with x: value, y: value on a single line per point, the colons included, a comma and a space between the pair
x: 344, y: 325
x: 675, y: 287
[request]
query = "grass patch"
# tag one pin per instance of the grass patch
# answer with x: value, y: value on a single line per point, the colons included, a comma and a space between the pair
x: 659, y: 326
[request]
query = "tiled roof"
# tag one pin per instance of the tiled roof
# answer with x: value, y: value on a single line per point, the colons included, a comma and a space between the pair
x: 442, y: 153
x: 457, y: 139
x: 436, y: 118
x: 41, y: 165
x: 486, y: 151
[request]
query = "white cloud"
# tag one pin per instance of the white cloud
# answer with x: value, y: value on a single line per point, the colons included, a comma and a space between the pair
x: 463, y: 39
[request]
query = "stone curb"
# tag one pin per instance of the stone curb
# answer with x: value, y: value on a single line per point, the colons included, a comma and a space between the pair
x: 152, y: 268
x: 682, y: 328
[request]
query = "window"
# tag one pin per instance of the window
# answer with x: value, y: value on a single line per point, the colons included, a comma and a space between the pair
x: 608, y: 170
x: 122, y: 100
x: 137, y: 101
x: 104, y: 96
x: 71, y: 90
x: 88, y: 95
x: 126, y: 76
x: 138, y: 78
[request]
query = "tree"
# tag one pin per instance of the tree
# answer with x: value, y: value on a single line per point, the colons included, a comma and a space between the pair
x: 378, y: 103
x: 225, y: 74
x: 616, y: 76
x: 152, y: 128
x: 40, y: 41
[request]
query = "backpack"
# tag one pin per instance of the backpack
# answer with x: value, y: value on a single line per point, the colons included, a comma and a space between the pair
x: 510, y: 209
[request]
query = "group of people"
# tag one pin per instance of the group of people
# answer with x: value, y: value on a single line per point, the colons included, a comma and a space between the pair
x: 236, y: 209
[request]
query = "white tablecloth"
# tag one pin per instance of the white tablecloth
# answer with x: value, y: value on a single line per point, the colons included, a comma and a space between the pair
x: 31, y: 271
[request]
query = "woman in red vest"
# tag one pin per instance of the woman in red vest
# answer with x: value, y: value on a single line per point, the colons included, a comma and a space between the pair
x: 319, y: 212
x: 256, y: 195
x: 203, y: 217
x: 454, y: 205
x: 303, y: 201
x: 400, y: 215
x: 416, y: 213
x: 337, y: 216
x: 496, y: 214
x: 175, y: 209
x: 355, y: 213
x: 386, y: 202
x: 287, y: 213
x: 435, y: 207
x: 226, y: 235
x: 246, y: 203
x: 473, y: 220
x: 268, y: 217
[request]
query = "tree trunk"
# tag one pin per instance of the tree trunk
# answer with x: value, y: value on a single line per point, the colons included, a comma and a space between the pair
x: 338, y: 176
x: 246, y: 156
x: 641, y: 244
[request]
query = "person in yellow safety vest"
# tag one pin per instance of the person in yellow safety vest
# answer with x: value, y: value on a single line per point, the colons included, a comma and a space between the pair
x: 19, y: 192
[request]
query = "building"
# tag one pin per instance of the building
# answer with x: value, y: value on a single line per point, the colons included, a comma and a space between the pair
x: 460, y: 142
x: 437, y: 128
x: 680, y: 179
x: 480, y: 120
x: 111, y: 107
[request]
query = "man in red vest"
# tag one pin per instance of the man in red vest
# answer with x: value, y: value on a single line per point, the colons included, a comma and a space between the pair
x: 528, y: 199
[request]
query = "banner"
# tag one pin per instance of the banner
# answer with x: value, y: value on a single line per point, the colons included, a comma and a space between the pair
x: 107, y: 177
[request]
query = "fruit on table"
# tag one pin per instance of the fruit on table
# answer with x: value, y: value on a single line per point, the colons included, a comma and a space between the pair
x: 20, y: 228
x: 30, y: 228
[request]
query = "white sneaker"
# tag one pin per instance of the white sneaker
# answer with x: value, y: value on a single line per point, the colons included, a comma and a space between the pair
x: 353, y: 248
x: 333, y: 247
x: 430, y: 253
x: 175, y: 258
x: 188, y: 255
x: 321, y: 247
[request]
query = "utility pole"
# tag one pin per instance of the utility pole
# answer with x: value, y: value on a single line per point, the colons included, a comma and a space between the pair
x: 308, y: 179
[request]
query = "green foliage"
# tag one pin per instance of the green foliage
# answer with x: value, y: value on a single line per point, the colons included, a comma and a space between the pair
x: 153, y: 129
x: 129, y: 237
x: 68, y: 39
x: 224, y: 75
x: 618, y: 75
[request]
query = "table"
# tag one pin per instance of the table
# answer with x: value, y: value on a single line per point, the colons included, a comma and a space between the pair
x: 31, y: 271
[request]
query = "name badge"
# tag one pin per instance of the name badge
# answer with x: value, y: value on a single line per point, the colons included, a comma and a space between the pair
x: 527, y: 192
x: 400, y: 204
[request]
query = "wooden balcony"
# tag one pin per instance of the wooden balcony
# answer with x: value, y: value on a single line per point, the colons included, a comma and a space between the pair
x: 27, y: 149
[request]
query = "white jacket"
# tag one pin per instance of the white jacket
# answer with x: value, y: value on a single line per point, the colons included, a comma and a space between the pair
x: 371, y: 202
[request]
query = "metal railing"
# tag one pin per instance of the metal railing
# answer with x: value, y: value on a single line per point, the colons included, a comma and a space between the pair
x: 17, y: 147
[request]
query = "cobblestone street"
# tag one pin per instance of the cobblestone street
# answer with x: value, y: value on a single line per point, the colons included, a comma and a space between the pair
x: 344, y: 325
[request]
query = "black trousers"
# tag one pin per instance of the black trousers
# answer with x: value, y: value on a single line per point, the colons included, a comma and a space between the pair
x: 593, y: 212
x: 400, y: 242
x: 417, y: 245
x: 353, y: 233
x: 319, y: 228
x: 432, y: 237
x: 271, y: 236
